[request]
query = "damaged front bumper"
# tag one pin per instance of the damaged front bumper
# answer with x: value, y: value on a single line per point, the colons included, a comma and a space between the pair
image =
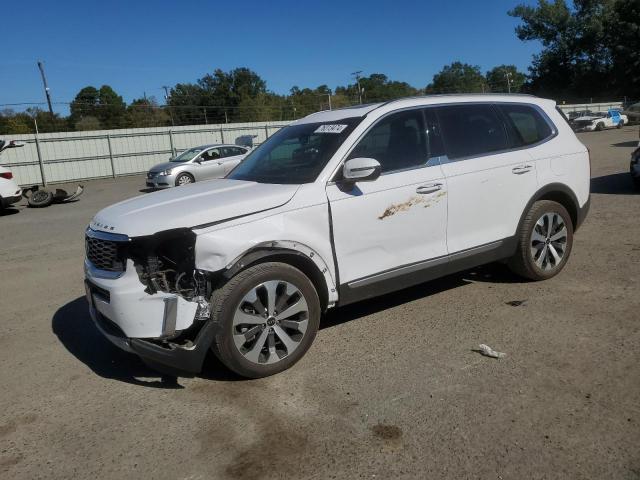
x: 165, y: 330
x: 160, y: 180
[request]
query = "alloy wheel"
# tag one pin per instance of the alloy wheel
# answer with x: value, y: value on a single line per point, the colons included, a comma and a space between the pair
x: 270, y: 322
x: 184, y: 180
x: 549, y: 241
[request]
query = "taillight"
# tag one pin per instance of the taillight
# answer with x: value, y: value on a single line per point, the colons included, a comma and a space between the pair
x: 7, y: 175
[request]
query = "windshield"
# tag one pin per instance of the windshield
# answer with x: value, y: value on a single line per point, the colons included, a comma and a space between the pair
x: 187, y: 155
x: 295, y: 154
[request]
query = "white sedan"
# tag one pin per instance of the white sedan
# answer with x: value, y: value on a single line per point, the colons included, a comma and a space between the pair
x: 599, y: 121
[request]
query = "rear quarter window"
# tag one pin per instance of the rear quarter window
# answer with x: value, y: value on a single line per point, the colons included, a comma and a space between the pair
x: 527, y: 124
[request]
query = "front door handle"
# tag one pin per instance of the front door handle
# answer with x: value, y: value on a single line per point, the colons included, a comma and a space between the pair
x: 520, y: 169
x: 432, y: 187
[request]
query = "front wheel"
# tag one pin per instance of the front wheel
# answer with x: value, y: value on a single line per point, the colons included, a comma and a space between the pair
x: 184, y: 179
x: 545, y: 239
x: 267, y: 317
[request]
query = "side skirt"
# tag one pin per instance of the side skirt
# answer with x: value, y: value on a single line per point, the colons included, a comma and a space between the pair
x: 416, y: 273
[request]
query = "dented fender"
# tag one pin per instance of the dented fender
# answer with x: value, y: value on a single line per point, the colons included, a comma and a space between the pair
x: 304, y: 230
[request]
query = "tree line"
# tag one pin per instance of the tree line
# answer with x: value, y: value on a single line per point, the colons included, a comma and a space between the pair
x: 241, y: 95
x: 588, y: 46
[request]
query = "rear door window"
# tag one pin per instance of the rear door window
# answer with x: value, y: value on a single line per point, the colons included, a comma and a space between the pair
x: 472, y: 130
x: 227, y: 151
x: 238, y: 151
x: 527, y: 124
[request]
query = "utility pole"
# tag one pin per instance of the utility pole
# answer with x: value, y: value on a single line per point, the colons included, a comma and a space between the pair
x: 507, y: 75
x: 357, y: 76
x: 328, y: 95
x: 46, y: 87
x: 166, y: 101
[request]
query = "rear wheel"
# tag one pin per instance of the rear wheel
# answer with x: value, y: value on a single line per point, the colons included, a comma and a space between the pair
x: 544, y: 241
x: 184, y: 179
x: 268, y: 316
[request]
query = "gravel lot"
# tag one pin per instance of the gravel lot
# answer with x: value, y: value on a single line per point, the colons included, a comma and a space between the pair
x: 390, y: 389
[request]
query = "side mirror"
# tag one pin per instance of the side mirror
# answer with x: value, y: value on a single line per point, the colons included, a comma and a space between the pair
x: 361, y: 170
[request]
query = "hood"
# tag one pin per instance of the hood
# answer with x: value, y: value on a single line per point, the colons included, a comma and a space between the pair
x: 190, y: 205
x: 163, y: 166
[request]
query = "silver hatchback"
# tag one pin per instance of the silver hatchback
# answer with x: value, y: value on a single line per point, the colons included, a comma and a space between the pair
x: 196, y: 164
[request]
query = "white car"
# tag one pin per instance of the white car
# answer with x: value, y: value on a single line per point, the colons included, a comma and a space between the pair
x: 10, y: 192
x: 196, y: 164
x: 599, y: 121
x: 338, y: 207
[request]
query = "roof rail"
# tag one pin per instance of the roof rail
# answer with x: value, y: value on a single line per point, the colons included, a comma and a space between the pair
x: 458, y: 95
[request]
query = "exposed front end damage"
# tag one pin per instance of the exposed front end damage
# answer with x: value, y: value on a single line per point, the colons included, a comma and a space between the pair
x: 146, y: 297
x: 149, y: 294
x: 164, y: 263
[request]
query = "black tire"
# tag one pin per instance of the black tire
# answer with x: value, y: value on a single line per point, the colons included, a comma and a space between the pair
x: 599, y: 127
x: 523, y: 262
x: 40, y: 199
x: 620, y: 124
x: 226, y: 300
x: 187, y: 179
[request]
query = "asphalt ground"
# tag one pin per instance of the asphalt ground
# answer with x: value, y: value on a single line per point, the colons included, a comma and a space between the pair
x: 391, y: 387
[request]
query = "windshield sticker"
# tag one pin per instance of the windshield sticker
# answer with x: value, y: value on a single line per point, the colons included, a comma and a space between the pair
x: 330, y: 128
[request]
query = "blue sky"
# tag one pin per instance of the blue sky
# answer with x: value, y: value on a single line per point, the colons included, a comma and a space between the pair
x: 138, y: 46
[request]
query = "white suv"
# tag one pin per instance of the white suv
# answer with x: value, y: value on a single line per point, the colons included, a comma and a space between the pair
x: 338, y: 207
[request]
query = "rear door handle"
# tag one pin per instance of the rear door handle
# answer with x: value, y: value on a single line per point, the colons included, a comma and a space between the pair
x: 520, y: 169
x: 432, y: 187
